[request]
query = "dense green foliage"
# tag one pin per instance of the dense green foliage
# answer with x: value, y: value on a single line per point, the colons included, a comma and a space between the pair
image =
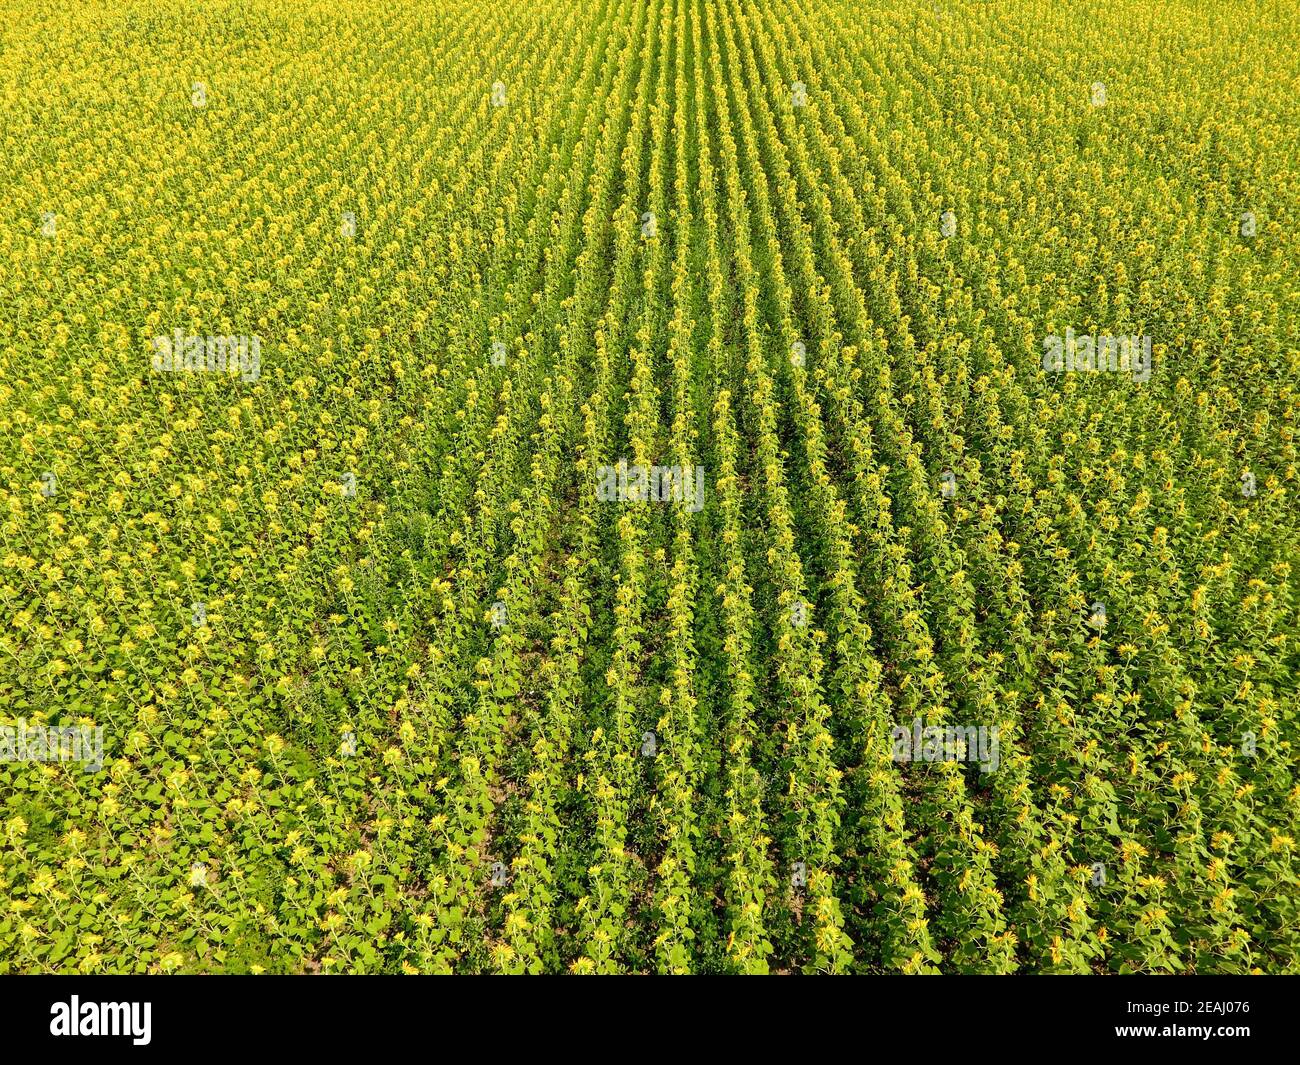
x: 386, y: 682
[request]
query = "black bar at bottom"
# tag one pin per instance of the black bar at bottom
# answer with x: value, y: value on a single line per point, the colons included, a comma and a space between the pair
x: 338, y: 1014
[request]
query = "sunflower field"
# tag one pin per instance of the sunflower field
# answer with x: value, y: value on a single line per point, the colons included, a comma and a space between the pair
x: 650, y: 486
